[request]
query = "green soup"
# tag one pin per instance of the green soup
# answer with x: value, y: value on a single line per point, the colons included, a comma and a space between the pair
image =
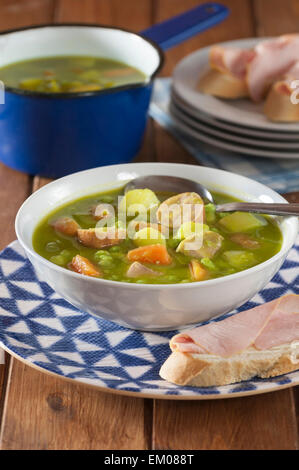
x: 230, y: 242
x: 68, y: 74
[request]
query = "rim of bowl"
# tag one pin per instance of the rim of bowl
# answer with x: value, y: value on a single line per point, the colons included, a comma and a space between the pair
x: 134, y: 285
x: 42, y: 94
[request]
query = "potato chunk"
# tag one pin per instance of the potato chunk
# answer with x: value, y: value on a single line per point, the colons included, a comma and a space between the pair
x: 198, y: 272
x: 179, y: 209
x: 82, y: 265
x: 207, y: 247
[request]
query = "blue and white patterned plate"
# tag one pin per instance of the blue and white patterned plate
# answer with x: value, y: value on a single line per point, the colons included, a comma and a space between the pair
x: 40, y: 328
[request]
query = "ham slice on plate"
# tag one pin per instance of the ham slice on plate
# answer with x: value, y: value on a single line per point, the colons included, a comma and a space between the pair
x: 272, y: 59
x: 278, y: 105
x: 227, y: 73
x: 271, y: 324
x: 231, y: 60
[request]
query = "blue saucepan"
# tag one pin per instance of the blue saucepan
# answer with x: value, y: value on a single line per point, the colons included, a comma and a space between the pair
x: 57, y: 134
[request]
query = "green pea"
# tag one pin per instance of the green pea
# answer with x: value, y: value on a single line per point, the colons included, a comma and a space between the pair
x: 114, y: 249
x: 105, y: 262
x: 58, y: 259
x: 52, y: 247
x: 172, y: 279
x: 66, y: 253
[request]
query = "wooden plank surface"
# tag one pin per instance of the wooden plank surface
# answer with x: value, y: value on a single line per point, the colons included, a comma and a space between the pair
x: 131, y: 14
x: 16, y: 14
x: 56, y: 414
x: 44, y: 412
x: 261, y: 422
x: 225, y: 31
x: 241, y: 423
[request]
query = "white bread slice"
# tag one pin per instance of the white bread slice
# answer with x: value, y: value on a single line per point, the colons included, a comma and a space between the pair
x: 222, y: 85
x: 278, y: 105
x: 207, y: 370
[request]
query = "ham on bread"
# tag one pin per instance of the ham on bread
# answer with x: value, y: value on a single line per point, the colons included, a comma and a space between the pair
x: 272, y: 59
x: 262, y: 341
x: 227, y: 73
x: 278, y: 105
x: 266, y: 71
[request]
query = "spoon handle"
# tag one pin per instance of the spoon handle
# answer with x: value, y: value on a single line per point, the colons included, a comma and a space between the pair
x: 259, y: 208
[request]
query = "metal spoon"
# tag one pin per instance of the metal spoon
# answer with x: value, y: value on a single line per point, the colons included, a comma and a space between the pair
x: 181, y: 185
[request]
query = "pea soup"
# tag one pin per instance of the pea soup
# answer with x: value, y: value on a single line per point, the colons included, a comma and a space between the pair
x: 135, y: 238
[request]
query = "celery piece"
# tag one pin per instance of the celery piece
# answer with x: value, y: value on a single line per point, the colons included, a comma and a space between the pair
x: 208, y: 264
x: 210, y: 213
x: 239, y: 259
x: 241, y: 222
x: 173, y: 242
x: 31, y: 84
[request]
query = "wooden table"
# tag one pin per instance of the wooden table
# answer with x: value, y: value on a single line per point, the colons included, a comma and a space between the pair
x: 39, y: 411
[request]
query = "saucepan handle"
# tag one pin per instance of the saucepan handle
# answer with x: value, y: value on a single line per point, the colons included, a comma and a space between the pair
x: 178, y: 29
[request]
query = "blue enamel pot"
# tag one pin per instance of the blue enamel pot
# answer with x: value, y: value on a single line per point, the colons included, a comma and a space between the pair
x: 61, y: 133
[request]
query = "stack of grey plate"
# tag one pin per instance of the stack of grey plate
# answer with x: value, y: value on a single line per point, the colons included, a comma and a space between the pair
x: 233, y: 125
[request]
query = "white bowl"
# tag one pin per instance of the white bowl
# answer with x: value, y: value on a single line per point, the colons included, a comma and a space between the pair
x: 147, y: 306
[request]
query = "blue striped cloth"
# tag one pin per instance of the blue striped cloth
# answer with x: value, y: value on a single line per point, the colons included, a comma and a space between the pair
x: 280, y: 174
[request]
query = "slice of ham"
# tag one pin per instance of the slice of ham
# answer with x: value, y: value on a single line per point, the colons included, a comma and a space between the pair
x: 231, y: 60
x: 272, y: 59
x: 271, y: 324
x: 278, y: 105
x: 283, y: 324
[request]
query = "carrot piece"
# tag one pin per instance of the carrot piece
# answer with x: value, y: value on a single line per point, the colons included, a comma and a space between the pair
x: 66, y: 226
x: 155, y: 254
x: 198, y: 272
x: 84, y: 266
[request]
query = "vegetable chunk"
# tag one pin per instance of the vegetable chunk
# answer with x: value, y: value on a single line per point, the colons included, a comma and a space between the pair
x: 83, y: 266
x: 207, y: 247
x: 138, y: 201
x: 198, y: 272
x: 240, y: 259
x: 155, y: 254
x: 179, y: 209
x: 149, y: 236
x: 242, y: 222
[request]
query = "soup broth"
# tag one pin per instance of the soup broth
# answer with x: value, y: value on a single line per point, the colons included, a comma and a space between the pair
x: 230, y: 242
x: 69, y: 74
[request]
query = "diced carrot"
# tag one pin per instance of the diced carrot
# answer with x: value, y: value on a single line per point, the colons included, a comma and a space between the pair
x: 66, y: 226
x: 155, y: 254
x: 84, y: 266
x: 198, y: 272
